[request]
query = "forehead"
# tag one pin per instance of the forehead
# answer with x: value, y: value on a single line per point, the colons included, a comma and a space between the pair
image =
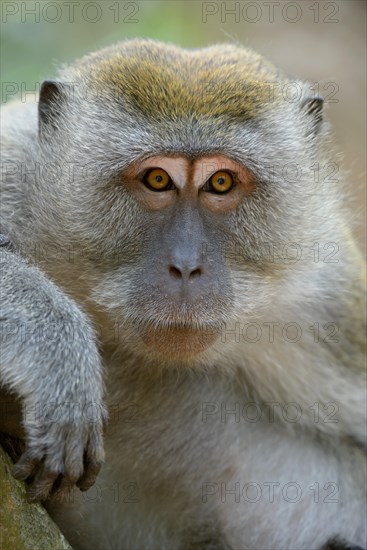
x: 164, y: 81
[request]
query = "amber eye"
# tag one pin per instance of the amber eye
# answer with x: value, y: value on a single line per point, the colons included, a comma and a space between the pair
x: 157, y: 179
x: 221, y: 182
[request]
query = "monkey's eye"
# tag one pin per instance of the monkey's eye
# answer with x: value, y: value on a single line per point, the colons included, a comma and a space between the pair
x: 220, y: 182
x: 158, y: 180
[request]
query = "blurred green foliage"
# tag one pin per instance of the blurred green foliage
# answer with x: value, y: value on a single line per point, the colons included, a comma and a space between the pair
x: 37, y: 36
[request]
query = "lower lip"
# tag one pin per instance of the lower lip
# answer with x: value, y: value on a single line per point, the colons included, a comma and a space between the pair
x: 178, y: 343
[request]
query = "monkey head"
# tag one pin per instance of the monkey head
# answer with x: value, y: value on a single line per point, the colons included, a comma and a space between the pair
x: 193, y: 164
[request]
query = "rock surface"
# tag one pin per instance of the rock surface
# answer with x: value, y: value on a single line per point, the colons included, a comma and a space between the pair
x: 24, y: 526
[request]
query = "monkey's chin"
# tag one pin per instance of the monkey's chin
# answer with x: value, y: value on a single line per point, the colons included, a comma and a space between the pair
x: 178, y: 342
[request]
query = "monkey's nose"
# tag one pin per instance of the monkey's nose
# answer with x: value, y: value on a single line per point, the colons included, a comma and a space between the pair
x: 184, y: 273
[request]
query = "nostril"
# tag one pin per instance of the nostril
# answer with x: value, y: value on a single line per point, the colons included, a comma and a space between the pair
x: 195, y: 273
x: 184, y: 274
x: 176, y: 273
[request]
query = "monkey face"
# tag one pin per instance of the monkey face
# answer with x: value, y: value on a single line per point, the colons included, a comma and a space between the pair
x: 188, y: 267
x: 188, y: 186
x: 182, y: 292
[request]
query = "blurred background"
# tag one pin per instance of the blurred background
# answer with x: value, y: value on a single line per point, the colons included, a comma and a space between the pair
x: 322, y: 41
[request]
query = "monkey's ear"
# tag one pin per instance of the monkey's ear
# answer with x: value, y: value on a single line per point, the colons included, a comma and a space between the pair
x: 314, y: 107
x: 49, y: 105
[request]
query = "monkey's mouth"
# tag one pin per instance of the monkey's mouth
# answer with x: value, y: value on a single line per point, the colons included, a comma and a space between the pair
x: 177, y: 332
x: 179, y: 342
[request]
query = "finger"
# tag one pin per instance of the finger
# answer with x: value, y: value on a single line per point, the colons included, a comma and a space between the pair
x: 95, y: 447
x: 89, y: 476
x: 93, y: 460
x: 47, y: 475
x: 42, y: 485
x: 26, y: 466
x: 75, y: 444
x: 73, y: 462
x: 63, y: 487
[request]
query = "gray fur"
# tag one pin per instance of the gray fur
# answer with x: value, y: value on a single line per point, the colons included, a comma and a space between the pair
x: 91, y: 239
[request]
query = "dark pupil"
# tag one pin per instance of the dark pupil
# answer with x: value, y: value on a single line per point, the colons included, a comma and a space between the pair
x: 158, y: 179
x: 221, y: 180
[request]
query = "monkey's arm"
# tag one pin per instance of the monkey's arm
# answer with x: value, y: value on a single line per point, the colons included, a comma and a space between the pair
x: 51, y: 361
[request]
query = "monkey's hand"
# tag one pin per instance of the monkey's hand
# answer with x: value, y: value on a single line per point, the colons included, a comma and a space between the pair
x: 50, y: 359
x: 64, y: 446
